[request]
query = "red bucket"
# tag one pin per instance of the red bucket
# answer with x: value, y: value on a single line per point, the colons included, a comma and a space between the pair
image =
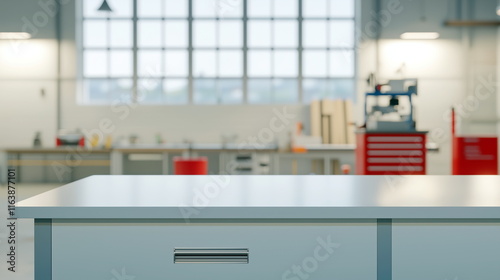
x: 190, y: 166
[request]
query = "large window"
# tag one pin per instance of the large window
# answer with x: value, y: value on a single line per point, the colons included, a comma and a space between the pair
x: 218, y: 51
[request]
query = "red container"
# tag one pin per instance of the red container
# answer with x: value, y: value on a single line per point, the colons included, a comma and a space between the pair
x: 475, y: 156
x: 73, y: 142
x: 190, y: 166
x: 391, y: 153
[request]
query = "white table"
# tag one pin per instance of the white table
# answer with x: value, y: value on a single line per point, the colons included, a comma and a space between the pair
x: 285, y: 227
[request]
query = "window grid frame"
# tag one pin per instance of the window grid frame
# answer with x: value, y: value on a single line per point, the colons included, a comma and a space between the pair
x: 107, y: 49
x: 244, y: 49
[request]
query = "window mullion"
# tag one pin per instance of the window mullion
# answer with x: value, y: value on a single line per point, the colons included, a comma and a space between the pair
x: 190, y: 52
x: 217, y: 60
x: 163, y: 55
x: 135, y: 89
x: 328, y: 52
x: 300, y: 50
x: 108, y: 56
x: 245, y: 53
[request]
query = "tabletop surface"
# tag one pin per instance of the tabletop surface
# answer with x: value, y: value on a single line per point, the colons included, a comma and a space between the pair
x: 266, y: 197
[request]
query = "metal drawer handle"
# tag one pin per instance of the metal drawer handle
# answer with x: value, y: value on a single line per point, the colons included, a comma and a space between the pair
x: 210, y: 255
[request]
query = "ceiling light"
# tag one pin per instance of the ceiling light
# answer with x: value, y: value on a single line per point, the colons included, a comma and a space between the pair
x: 419, y: 35
x: 14, y: 35
x: 498, y: 8
x: 105, y: 7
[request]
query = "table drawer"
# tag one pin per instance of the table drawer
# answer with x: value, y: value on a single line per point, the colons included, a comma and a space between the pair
x: 159, y: 250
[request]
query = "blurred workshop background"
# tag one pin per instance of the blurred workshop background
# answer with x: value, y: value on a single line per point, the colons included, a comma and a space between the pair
x: 248, y: 87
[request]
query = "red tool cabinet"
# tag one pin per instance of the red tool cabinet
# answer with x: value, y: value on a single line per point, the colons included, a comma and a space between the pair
x: 397, y: 153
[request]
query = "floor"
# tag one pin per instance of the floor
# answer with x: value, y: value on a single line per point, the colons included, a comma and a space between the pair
x: 24, y: 235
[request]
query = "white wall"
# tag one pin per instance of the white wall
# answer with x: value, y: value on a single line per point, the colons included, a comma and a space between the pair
x: 26, y: 69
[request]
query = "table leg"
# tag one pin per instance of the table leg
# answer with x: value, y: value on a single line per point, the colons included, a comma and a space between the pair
x: 18, y: 171
x: 116, y: 163
x: 43, y: 249
x: 4, y: 166
x: 295, y: 167
x: 384, y: 249
x: 45, y: 170
x: 165, y: 164
x: 222, y: 163
x: 327, y: 166
x: 275, y: 164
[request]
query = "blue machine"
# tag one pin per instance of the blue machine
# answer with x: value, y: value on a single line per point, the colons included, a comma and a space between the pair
x: 392, y: 110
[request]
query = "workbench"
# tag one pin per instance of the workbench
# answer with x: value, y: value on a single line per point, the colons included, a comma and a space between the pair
x: 51, y: 163
x: 58, y: 163
x: 165, y: 152
x: 268, y: 227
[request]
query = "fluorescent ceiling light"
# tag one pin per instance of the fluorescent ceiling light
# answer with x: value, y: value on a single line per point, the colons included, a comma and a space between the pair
x: 14, y: 35
x: 420, y: 35
x: 498, y: 9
